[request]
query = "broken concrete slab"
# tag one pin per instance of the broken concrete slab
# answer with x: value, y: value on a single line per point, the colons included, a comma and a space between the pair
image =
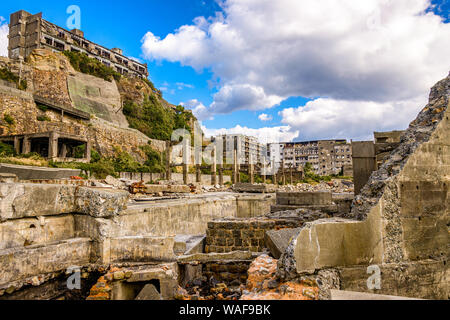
x: 156, y: 188
x: 331, y: 208
x: 209, y: 257
x: 278, y: 240
x: 38, y: 173
x: 149, y: 293
x: 254, y: 188
x: 304, y: 198
x: 21, y: 200
x: 99, y: 202
x: 141, y: 249
x: 8, y: 178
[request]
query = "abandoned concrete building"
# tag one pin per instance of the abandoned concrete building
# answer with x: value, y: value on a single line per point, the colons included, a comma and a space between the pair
x: 327, y: 157
x: 247, y: 148
x: 28, y: 32
x: 53, y: 145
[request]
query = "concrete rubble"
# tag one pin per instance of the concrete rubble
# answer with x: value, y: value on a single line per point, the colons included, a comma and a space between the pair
x: 137, y: 241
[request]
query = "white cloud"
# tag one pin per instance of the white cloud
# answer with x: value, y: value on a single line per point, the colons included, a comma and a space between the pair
x: 264, y: 135
x: 342, y: 119
x: 198, y: 109
x: 265, y: 117
x: 261, y: 52
x: 4, y: 31
x: 182, y: 86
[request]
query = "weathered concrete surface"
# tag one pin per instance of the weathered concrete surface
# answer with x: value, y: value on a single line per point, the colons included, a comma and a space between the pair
x: 149, y: 293
x: 38, y: 173
x: 141, y: 249
x: 22, y: 263
x: 250, y: 206
x: 20, y: 200
x: 278, y: 240
x: 340, y: 295
x: 209, y: 257
x: 188, y: 215
x: 156, y: 188
x: 425, y: 279
x: 8, y: 178
x: 36, y: 231
x: 304, y: 198
x: 254, y: 188
x: 98, y: 202
x: 401, y: 216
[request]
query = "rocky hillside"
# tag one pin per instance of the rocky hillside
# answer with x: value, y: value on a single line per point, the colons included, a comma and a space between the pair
x: 125, y: 113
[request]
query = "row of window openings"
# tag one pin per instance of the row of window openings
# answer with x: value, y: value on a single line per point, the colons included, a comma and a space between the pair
x: 102, y: 53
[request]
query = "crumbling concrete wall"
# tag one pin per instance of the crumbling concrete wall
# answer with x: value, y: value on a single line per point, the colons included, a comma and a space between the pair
x: 400, y: 220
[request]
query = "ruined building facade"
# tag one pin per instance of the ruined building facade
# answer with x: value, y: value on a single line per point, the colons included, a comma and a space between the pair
x: 327, y: 157
x: 28, y: 32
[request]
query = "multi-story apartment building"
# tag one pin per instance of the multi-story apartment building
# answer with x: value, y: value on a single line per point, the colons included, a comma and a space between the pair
x: 28, y: 32
x: 247, y: 148
x: 326, y: 156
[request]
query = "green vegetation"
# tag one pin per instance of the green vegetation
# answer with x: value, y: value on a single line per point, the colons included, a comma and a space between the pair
x: 7, y: 75
x: 82, y: 63
x: 6, y: 150
x: 152, y: 86
x: 154, y: 119
x: 122, y: 161
x: 8, y: 119
x: 43, y: 118
x: 42, y: 107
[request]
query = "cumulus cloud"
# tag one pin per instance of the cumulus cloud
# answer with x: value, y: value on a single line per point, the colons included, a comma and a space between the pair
x: 198, y: 109
x: 265, y: 117
x: 342, y: 119
x: 262, y: 51
x: 264, y: 135
x: 4, y: 31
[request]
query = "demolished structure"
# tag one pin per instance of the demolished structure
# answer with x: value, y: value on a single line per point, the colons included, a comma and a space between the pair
x: 218, y: 245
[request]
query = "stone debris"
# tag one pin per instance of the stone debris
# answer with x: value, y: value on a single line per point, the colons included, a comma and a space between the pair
x: 278, y: 240
x: 263, y: 284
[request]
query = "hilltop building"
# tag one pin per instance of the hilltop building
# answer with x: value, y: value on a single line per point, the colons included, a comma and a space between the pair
x: 28, y: 32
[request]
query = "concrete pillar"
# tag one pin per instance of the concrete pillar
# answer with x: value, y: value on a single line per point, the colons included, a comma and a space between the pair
x: 87, y: 152
x: 221, y: 174
x: 168, y: 156
x: 214, y: 168
x: 53, y: 145
x: 283, y: 174
x: 275, y: 179
x: 290, y: 169
x: 63, y: 151
x: 17, y: 145
x: 264, y: 171
x: 198, y: 173
x: 185, y: 173
x: 235, y: 168
x: 251, y: 170
x: 26, y: 148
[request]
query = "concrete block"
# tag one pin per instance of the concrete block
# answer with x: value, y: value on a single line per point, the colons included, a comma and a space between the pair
x: 304, y: 198
x: 278, y: 240
x: 149, y: 293
x: 209, y: 257
x: 38, y: 173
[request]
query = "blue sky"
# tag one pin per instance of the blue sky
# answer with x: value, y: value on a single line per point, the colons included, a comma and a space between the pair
x: 319, y: 76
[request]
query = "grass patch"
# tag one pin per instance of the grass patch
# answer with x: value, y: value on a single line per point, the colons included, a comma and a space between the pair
x: 82, y: 63
x: 9, y: 119
x: 154, y: 120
